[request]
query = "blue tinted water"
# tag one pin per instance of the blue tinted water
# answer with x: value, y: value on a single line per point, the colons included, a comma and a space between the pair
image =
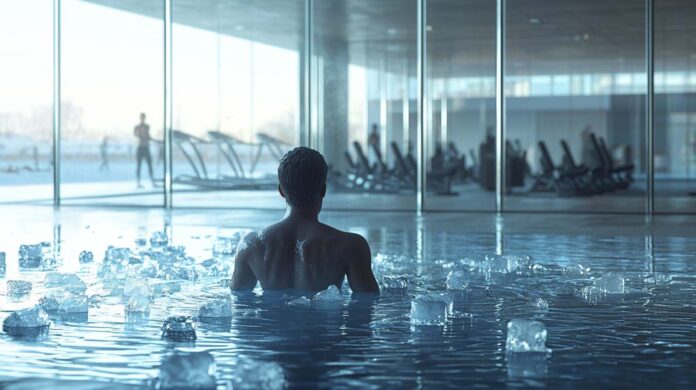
x: 645, y: 337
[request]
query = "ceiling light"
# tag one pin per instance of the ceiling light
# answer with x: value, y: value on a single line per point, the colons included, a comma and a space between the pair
x: 586, y: 37
x: 428, y: 28
x: 534, y: 21
x: 239, y: 27
x: 391, y: 31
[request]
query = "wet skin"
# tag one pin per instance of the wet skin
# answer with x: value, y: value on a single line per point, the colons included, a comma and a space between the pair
x: 301, y: 253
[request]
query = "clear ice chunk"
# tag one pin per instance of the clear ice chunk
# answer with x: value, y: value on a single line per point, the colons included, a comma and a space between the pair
x: 179, y: 328
x: 540, y: 305
x: 64, y: 303
x: 26, y: 322
x: 135, y: 285
x: 18, y: 288
x: 217, y: 308
x: 610, y: 284
x: 86, y: 257
x: 299, y: 301
x: 394, y: 283
x: 506, y: 263
x: 68, y: 282
x: 457, y: 280
x: 428, y: 309
x: 138, y: 303
x: 255, y: 374
x: 31, y: 256
x: 162, y: 288
x: 525, y: 336
x: 188, y: 370
x: 117, y: 255
x: 331, y: 294
x: 159, y: 239
x: 3, y: 264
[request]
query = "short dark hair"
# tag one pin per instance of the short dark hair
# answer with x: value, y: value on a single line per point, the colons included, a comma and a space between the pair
x: 302, y: 175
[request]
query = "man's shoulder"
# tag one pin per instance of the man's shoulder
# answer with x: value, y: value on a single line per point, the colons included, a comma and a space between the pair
x: 250, y: 242
x: 345, y: 238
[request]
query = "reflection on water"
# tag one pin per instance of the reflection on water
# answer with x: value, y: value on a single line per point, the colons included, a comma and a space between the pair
x: 643, y: 337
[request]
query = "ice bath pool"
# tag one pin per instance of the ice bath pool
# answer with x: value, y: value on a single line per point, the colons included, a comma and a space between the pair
x: 619, y: 309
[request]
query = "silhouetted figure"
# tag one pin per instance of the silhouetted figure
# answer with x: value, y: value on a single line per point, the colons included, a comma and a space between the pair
x: 35, y: 155
x: 104, y: 153
x: 299, y: 252
x: 142, y: 132
x: 373, y: 144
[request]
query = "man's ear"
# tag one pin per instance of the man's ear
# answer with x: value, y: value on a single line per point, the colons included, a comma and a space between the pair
x: 323, y: 191
x: 280, y: 191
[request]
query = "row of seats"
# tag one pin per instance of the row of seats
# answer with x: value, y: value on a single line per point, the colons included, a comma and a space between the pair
x: 573, y: 179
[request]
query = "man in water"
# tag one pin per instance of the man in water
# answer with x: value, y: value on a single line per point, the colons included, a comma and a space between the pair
x: 299, y: 252
x: 142, y: 132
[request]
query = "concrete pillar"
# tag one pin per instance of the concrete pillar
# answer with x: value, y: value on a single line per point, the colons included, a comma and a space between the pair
x: 333, y: 123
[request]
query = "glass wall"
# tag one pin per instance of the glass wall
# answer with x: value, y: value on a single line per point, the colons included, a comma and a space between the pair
x: 26, y: 101
x: 575, y: 92
x: 460, y: 42
x: 111, y: 109
x: 236, y: 92
x: 575, y: 119
x: 675, y: 106
x: 364, y: 100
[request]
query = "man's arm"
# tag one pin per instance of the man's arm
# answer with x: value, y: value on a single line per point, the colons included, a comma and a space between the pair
x: 243, y: 278
x: 359, y: 270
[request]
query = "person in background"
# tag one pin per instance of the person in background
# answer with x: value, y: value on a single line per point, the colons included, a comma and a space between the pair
x: 373, y: 144
x: 104, y: 152
x: 142, y: 132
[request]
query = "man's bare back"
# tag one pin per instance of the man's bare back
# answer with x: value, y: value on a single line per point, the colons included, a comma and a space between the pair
x: 303, y: 255
x: 299, y: 252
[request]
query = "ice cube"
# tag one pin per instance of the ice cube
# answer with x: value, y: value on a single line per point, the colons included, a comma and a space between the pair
x: 162, y: 288
x: 610, y: 284
x: 3, y: 264
x: 254, y: 374
x: 525, y: 336
x: 507, y: 263
x: 117, y: 255
x: 27, y: 322
x: 394, y: 284
x: 299, y: 301
x: 64, y: 302
x: 591, y: 294
x: 457, y: 280
x: 179, y: 328
x: 69, y: 282
x: 159, y: 239
x: 86, y: 257
x: 188, y: 370
x: 428, y: 310
x: 540, y: 305
x: 138, y: 303
x: 18, y: 288
x: 31, y: 256
x: 576, y: 269
x: 331, y: 294
x: 217, y: 308
x: 135, y: 285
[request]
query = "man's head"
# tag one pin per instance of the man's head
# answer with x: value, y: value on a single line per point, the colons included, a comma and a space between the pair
x: 302, y: 176
x: 142, y: 117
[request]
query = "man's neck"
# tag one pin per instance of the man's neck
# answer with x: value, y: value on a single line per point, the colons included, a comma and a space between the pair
x: 300, y: 215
